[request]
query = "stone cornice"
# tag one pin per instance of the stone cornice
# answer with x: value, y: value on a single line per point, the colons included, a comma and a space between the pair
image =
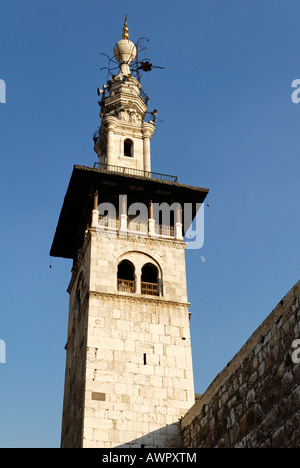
x: 122, y: 127
x: 141, y: 240
x: 126, y: 297
x: 131, y: 297
x: 125, y: 99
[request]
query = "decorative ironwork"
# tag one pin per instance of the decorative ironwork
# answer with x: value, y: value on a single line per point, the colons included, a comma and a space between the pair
x: 151, y: 289
x: 164, y: 230
x: 137, y: 226
x: 126, y: 285
x: 108, y: 223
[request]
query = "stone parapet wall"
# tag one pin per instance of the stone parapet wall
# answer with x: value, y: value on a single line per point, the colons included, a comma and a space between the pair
x: 255, y: 401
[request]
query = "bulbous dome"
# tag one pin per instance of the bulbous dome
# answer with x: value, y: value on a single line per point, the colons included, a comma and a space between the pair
x: 125, y: 51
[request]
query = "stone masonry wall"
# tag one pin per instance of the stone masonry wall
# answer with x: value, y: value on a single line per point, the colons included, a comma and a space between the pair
x: 129, y: 377
x: 73, y: 405
x: 138, y: 373
x: 255, y: 401
x: 139, y: 376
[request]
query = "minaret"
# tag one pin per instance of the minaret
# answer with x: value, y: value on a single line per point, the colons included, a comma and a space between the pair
x: 129, y: 375
x: 124, y: 137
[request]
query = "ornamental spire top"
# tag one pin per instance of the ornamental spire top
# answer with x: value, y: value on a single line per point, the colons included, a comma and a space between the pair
x: 125, y: 34
x: 125, y: 51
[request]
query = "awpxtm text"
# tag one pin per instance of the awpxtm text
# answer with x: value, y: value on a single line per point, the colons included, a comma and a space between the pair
x: 155, y: 457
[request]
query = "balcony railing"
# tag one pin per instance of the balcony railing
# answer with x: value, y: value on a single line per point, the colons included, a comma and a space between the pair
x: 109, y: 223
x: 149, y: 288
x: 126, y: 285
x: 164, y: 230
x: 135, y: 172
x: 113, y: 225
x: 137, y: 226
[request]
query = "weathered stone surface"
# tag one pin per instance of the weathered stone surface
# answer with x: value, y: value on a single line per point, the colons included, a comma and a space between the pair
x: 129, y: 376
x: 255, y: 401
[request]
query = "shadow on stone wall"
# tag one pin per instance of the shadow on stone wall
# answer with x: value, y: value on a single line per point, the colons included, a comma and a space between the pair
x: 167, y: 436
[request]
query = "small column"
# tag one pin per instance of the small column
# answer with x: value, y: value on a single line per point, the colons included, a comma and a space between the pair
x: 160, y: 287
x: 110, y: 124
x: 109, y: 148
x: 123, y: 215
x: 148, y: 130
x: 147, y: 155
x: 151, y: 221
x: 178, y: 225
x: 95, y: 212
x: 137, y: 278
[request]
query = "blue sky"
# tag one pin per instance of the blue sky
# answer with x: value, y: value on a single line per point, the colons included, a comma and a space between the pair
x: 229, y: 124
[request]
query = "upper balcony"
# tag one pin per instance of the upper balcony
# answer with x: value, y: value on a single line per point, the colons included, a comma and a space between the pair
x: 125, y: 227
x: 134, y: 172
x: 110, y: 183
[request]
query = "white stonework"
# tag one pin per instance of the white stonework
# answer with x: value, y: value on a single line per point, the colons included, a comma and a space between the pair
x: 116, y: 131
x: 123, y: 112
x: 129, y: 376
x: 138, y: 378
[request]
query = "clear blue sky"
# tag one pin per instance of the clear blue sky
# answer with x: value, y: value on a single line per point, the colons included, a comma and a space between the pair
x: 229, y: 124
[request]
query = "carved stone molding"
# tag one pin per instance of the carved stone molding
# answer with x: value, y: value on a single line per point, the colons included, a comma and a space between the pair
x: 141, y: 240
x: 136, y: 298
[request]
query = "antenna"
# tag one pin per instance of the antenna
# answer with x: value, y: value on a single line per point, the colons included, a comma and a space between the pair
x: 135, y: 66
x: 141, y: 65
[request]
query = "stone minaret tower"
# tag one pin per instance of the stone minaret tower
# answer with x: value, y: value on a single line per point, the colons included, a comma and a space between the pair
x: 125, y: 136
x: 129, y: 376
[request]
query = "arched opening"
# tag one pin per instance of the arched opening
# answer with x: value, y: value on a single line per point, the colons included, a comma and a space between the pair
x: 78, y: 296
x: 149, y: 280
x: 77, y: 304
x: 128, y: 148
x: 125, y: 277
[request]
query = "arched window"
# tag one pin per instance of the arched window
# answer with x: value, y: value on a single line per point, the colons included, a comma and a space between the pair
x: 149, y: 280
x: 125, y: 278
x: 77, y: 304
x: 128, y: 148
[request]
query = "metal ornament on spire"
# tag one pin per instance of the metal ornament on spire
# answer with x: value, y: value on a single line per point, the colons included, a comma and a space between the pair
x: 125, y: 34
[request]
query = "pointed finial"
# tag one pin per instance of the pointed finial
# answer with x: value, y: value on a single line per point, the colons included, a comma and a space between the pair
x: 125, y: 34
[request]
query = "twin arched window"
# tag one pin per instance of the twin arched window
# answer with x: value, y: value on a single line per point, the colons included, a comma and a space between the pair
x: 126, y: 278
